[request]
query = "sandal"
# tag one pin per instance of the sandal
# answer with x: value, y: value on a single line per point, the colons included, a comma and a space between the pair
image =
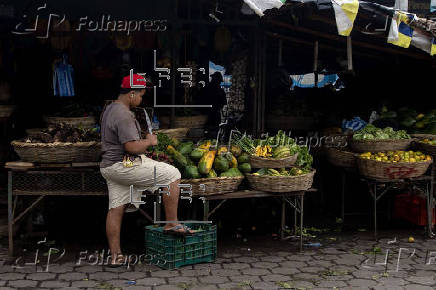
x: 176, y: 230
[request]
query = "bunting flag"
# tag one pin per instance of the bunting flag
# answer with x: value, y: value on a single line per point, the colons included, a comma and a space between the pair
x: 259, y: 6
x: 345, y: 14
x: 422, y: 41
x: 401, y: 33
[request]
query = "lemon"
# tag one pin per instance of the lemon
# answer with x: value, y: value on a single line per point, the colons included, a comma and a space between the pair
x: 412, y: 160
x: 411, y: 240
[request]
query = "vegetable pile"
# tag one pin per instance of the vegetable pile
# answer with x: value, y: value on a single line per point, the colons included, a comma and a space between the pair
x: 205, y: 161
x: 428, y: 141
x: 397, y: 156
x: 370, y: 132
x: 64, y: 133
x: 278, y: 146
x: 294, y: 171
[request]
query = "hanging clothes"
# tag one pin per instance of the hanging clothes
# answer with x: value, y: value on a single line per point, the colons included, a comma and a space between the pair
x: 308, y: 80
x: 63, y: 84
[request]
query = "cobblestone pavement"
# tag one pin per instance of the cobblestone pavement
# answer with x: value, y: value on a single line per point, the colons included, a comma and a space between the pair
x: 351, y: 263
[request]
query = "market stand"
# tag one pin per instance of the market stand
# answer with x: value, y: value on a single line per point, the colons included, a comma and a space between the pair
x: 84, y: 179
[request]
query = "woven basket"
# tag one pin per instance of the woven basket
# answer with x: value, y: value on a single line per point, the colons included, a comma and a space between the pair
x: 281, y: 183
x: 6, y: 111
x: 178, y: 133
x: 58, y: 152
x: 85, y: 122
x: 427, y: 148
x: 215, y: 185
x: 380, y: 145
x: 262, y: 162
x: 390, y: 171
x: 341, y: 158
x: 185, y: 122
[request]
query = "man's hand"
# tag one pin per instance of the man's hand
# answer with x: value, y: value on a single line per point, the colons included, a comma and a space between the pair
x: 151, y: 139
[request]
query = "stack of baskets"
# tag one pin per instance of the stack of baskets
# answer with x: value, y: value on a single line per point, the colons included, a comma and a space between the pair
x: 278, y: 183
x: 376, y: 169
x: 384, y: 170
x: 214, y: 185
x: 338, y: 152
x: 424, y: 147
x: 58, y: 152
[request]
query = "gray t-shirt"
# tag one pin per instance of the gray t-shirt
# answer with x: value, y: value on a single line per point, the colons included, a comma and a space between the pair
x: 118, y: 126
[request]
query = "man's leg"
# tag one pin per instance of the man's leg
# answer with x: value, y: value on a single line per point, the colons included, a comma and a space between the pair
x: 171, y: 204
x: 113, y: 229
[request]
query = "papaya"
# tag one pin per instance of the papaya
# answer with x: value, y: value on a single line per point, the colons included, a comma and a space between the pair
x: 244, y: 158
x: 236, y: 150
x: 206, y: 162
x: 232, y: 172
x: 212, y: 173
x: 190, y: 162
x: 221, y: 164
x: 191, y: 172
x: 244, y: 167
x: 185, y: 148
x: 221, y: 150
x: 233, y: 162
x: 205, y: 145
x: 180, y: 161
x: 197, y: 153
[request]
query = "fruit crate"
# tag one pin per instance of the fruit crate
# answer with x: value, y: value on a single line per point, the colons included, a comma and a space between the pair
x: 412, y: 208
x: 179, y: 251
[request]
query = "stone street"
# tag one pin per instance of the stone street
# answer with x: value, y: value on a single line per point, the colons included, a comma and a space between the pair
x: 346, y: 262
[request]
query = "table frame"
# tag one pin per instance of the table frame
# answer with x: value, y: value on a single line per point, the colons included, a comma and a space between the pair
x: 294, y: 199
x: 380, y: 187
x: 286, y: 197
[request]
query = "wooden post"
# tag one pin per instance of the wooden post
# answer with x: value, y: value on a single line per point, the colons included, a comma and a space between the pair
x: 315, y: 62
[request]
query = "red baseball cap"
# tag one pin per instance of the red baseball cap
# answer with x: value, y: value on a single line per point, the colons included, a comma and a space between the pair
x: 137, y: 80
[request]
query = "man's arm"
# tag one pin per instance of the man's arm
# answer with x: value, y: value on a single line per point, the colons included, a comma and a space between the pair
x: 136, y: 147
x: 140, y: 146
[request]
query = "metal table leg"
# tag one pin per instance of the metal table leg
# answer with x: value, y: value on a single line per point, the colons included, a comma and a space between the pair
x: 375, y: 211
x: 10, y: 216
x: 283, y: 222
x: 206, y: 210
x: 429, y: 194
x: 343, y: 194
x: 301, y: 221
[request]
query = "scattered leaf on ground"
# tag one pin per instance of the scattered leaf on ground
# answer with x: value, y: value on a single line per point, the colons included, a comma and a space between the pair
x: 285, y: 285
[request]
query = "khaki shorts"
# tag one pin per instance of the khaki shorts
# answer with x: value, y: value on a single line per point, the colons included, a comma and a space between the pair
x: 140, y: 175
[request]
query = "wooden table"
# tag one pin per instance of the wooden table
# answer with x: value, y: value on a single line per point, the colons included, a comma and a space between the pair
x: 39, y: 181
x: 84, y: 179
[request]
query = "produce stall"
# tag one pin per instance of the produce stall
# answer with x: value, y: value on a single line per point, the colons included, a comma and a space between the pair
x: 383, y: 160
x: 52, y: 166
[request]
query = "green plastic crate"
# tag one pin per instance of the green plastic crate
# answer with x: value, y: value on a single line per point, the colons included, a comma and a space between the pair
x: 181, y: 251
